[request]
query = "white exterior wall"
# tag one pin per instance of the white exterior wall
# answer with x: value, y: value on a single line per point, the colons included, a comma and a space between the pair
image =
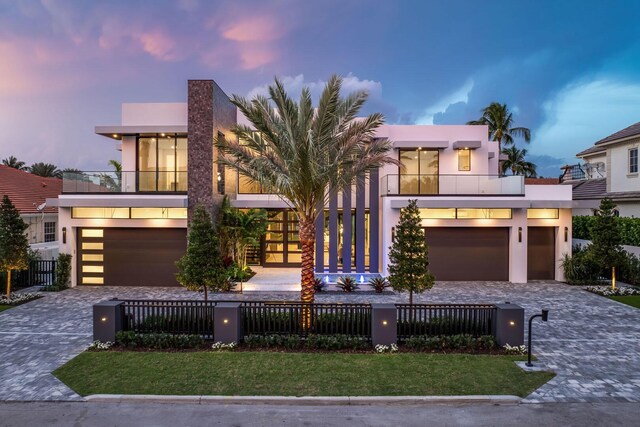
x: 621, y: 179
x: 154, y: 114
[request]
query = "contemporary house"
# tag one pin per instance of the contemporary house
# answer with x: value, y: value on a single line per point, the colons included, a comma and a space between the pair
x: 610, y: 169
x: 29, y: 193
x: 128, y: 228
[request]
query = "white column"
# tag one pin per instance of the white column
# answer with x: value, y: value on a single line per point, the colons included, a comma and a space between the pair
x: 562, y: 246
x: 518, y: 247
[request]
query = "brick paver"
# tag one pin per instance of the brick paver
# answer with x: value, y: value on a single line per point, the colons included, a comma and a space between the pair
x: 591, y: 342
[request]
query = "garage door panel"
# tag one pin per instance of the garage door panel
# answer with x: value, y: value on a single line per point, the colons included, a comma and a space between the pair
x: 463, y: 253
x: 541, y: 263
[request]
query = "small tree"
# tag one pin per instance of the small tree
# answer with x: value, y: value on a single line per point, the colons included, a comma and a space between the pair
x: 201, y: 269
x: 14, y: 247
x: 241, y: 230
x: 606, y: 238
x: 409, y: 254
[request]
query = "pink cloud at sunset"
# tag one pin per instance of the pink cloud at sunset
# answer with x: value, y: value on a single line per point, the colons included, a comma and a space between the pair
x: 255, y: 29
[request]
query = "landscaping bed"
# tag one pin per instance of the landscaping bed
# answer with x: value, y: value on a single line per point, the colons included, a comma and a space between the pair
x: 17, y: 299
x: 297, y: 374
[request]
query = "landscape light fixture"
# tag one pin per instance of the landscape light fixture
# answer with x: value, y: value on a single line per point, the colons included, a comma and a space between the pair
x: 545, y: 316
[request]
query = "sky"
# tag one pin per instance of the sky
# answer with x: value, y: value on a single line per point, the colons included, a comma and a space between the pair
x: 569, y: 70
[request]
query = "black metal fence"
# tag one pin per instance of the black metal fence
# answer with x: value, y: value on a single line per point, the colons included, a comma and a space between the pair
x: 296, y: 318
x: 40, y: 272
x: 278, y: 318
x: 444, y: 319
x: 173, y: 317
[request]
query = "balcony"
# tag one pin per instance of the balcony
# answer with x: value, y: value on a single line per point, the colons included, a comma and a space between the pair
x: 452, y: 185
x: 96, y: 182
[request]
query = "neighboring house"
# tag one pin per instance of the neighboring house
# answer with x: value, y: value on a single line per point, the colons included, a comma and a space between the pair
x: 610, y: 169
x: 29, y: 193
x: 128, y: 229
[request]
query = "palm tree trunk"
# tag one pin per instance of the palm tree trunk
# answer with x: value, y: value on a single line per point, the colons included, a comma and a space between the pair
x: 8, y: 283
x: 308, y: 242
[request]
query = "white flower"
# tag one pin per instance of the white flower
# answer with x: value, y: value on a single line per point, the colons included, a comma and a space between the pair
x: 607, y: 291
x: 98, y: 345
x: 386, y: 348
x: 516, y: 349
x: 220, y: 346
x: 16, y: 299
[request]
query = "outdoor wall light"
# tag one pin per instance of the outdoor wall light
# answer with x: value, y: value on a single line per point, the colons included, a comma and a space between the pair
x: 384, y: 322
x: 225, y: 321
x: 566, y: 234
x: 512, y: 323
x: 520, y: 234
x: 64, y: 235
x: 103, y: 319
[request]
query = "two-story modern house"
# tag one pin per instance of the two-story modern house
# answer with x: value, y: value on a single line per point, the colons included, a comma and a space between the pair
x: 610, y: 169
x: 128, y: 228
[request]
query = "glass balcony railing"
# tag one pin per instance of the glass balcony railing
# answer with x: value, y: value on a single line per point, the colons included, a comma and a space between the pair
x: 451, y: 185
x: 124, y: 182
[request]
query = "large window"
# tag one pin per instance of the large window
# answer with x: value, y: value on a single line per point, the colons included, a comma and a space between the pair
x: 419, y: 171
x: 464, y: 213
x: 464, y: 160
x: 633, y: 160
x: 162, y: 163
x: 128, y: 213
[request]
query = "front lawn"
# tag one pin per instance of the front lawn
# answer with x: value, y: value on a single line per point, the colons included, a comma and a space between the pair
x: 632, y: 300
x: 297, y: 374
x: 5, y: 307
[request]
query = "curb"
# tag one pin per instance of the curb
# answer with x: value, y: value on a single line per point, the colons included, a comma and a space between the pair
x: 303, y: 400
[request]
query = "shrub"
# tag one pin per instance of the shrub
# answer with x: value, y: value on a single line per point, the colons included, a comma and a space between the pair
x: 347, y: 284
x: 312, y: 342
x: 517, y: 350
x: 290, y: 342
x: 451, y: 342
x: 157, y: 341
x: 607, y: 291
x: 318, y: 285
x: 379, y: 284
x: 629, y: 229
x: 581, y: 268
x: 63, y: 274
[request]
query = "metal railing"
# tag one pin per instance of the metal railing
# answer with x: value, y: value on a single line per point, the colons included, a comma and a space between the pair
x: 451, y: 185
x: 444, y: 319
x: 39, y: 273
x: 124, y: 182
x: 172, y: 317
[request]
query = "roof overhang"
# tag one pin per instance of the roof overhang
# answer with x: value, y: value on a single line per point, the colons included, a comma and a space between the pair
x: 466, y: 145
x: 420, y: 144
x: 117, y: 132
x: 512, y: 203
x: 119, y: 201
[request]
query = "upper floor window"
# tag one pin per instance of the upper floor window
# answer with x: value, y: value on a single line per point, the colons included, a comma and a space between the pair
x: 419, y: 171
x: 49, y: 231
x: 464, y: 160
x: 162, y: 163
x: 633, y: 160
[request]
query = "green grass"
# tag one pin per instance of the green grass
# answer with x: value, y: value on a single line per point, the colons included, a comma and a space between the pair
x: 5, y: 307
x: 632, y: 300
x: 297, y: 374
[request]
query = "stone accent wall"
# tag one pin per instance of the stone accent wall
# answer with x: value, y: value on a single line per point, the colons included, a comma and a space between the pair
x: 209, y: 112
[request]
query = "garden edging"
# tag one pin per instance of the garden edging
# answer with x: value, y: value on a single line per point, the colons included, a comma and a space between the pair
x: 302, y: 400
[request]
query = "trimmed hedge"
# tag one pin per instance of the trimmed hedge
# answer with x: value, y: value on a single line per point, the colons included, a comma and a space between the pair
x: 451, y: 342
x: 629, y: 229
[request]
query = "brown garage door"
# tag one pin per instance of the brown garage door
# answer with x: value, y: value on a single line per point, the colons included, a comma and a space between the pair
x: 130, y: 256
x: 541, y: 253
x: 463, y: 253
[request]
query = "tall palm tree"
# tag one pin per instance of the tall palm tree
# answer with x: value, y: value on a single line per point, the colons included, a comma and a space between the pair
x: 13, y: 162
x: 46, y: 170
x: 305, y: 155
x: 516, y: 161
x: 500, y: 121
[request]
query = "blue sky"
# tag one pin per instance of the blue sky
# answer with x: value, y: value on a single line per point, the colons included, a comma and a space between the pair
x: 569, y: 69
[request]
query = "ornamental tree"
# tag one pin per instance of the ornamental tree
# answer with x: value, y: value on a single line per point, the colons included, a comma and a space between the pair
x: 201, y: 269
x: 14, y: 247
x: 409, y: 254
x: 606, y: 238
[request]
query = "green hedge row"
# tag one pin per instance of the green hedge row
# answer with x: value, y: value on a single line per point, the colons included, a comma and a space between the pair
x: 629, y: 229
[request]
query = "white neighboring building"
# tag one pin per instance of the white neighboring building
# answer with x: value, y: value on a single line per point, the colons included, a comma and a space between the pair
x: 610, y: 169
x: 128, y: 229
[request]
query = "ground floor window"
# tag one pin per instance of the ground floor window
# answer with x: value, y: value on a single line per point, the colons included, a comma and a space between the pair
x: 50, y: 231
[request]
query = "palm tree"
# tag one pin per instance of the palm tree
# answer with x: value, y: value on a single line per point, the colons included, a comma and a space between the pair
x: 46, y: 170
x: 517, y: 163
x: 13, y: 162
x: 500, y: 121
x: 305, y: 155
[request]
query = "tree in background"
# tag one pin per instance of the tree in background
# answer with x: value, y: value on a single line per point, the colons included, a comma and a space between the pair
x: 46, y: 170
x: 409, y: 254
x: 517, y: 163
x: 305, y: 154
x: 201, y: 269
x: 13, y: 162
x: 14, y: 247
x: 606, y: 238
x: 500, y: 121
x: 239, y: 230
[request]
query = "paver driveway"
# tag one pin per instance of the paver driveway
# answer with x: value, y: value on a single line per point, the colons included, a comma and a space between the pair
x: 593, y: 343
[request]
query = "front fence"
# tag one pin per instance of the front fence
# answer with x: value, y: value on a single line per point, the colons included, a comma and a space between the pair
x: 444, y: 319
x: 40, y: 272
x: 276, y: 318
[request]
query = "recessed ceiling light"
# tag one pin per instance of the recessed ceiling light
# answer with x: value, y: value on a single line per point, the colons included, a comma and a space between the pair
x: 162, y: 134
x: 115, y: 135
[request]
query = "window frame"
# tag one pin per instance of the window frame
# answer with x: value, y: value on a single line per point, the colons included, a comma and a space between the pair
x: 47, y: 234
x: 157, y: 137
x: 468, y: 152
x: 629, y: 158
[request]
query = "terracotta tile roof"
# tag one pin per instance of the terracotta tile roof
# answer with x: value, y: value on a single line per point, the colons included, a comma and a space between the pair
x: 632, y: 130
x: 28, y: 191
x: 541, y: 181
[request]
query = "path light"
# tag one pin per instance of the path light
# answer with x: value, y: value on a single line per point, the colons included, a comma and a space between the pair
x: 545, y: 316
x: 361, y: 278
x: 326, y: 279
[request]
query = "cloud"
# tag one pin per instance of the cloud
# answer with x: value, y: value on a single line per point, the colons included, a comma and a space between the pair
x: 584, y: 112
x: 460, y: 95
x: 255, y: 29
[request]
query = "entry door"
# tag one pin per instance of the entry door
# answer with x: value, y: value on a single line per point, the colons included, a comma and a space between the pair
x: 541, y: 251
x: 282, y: 241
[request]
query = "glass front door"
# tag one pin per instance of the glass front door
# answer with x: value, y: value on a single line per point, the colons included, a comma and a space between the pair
x: 281, y: 247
